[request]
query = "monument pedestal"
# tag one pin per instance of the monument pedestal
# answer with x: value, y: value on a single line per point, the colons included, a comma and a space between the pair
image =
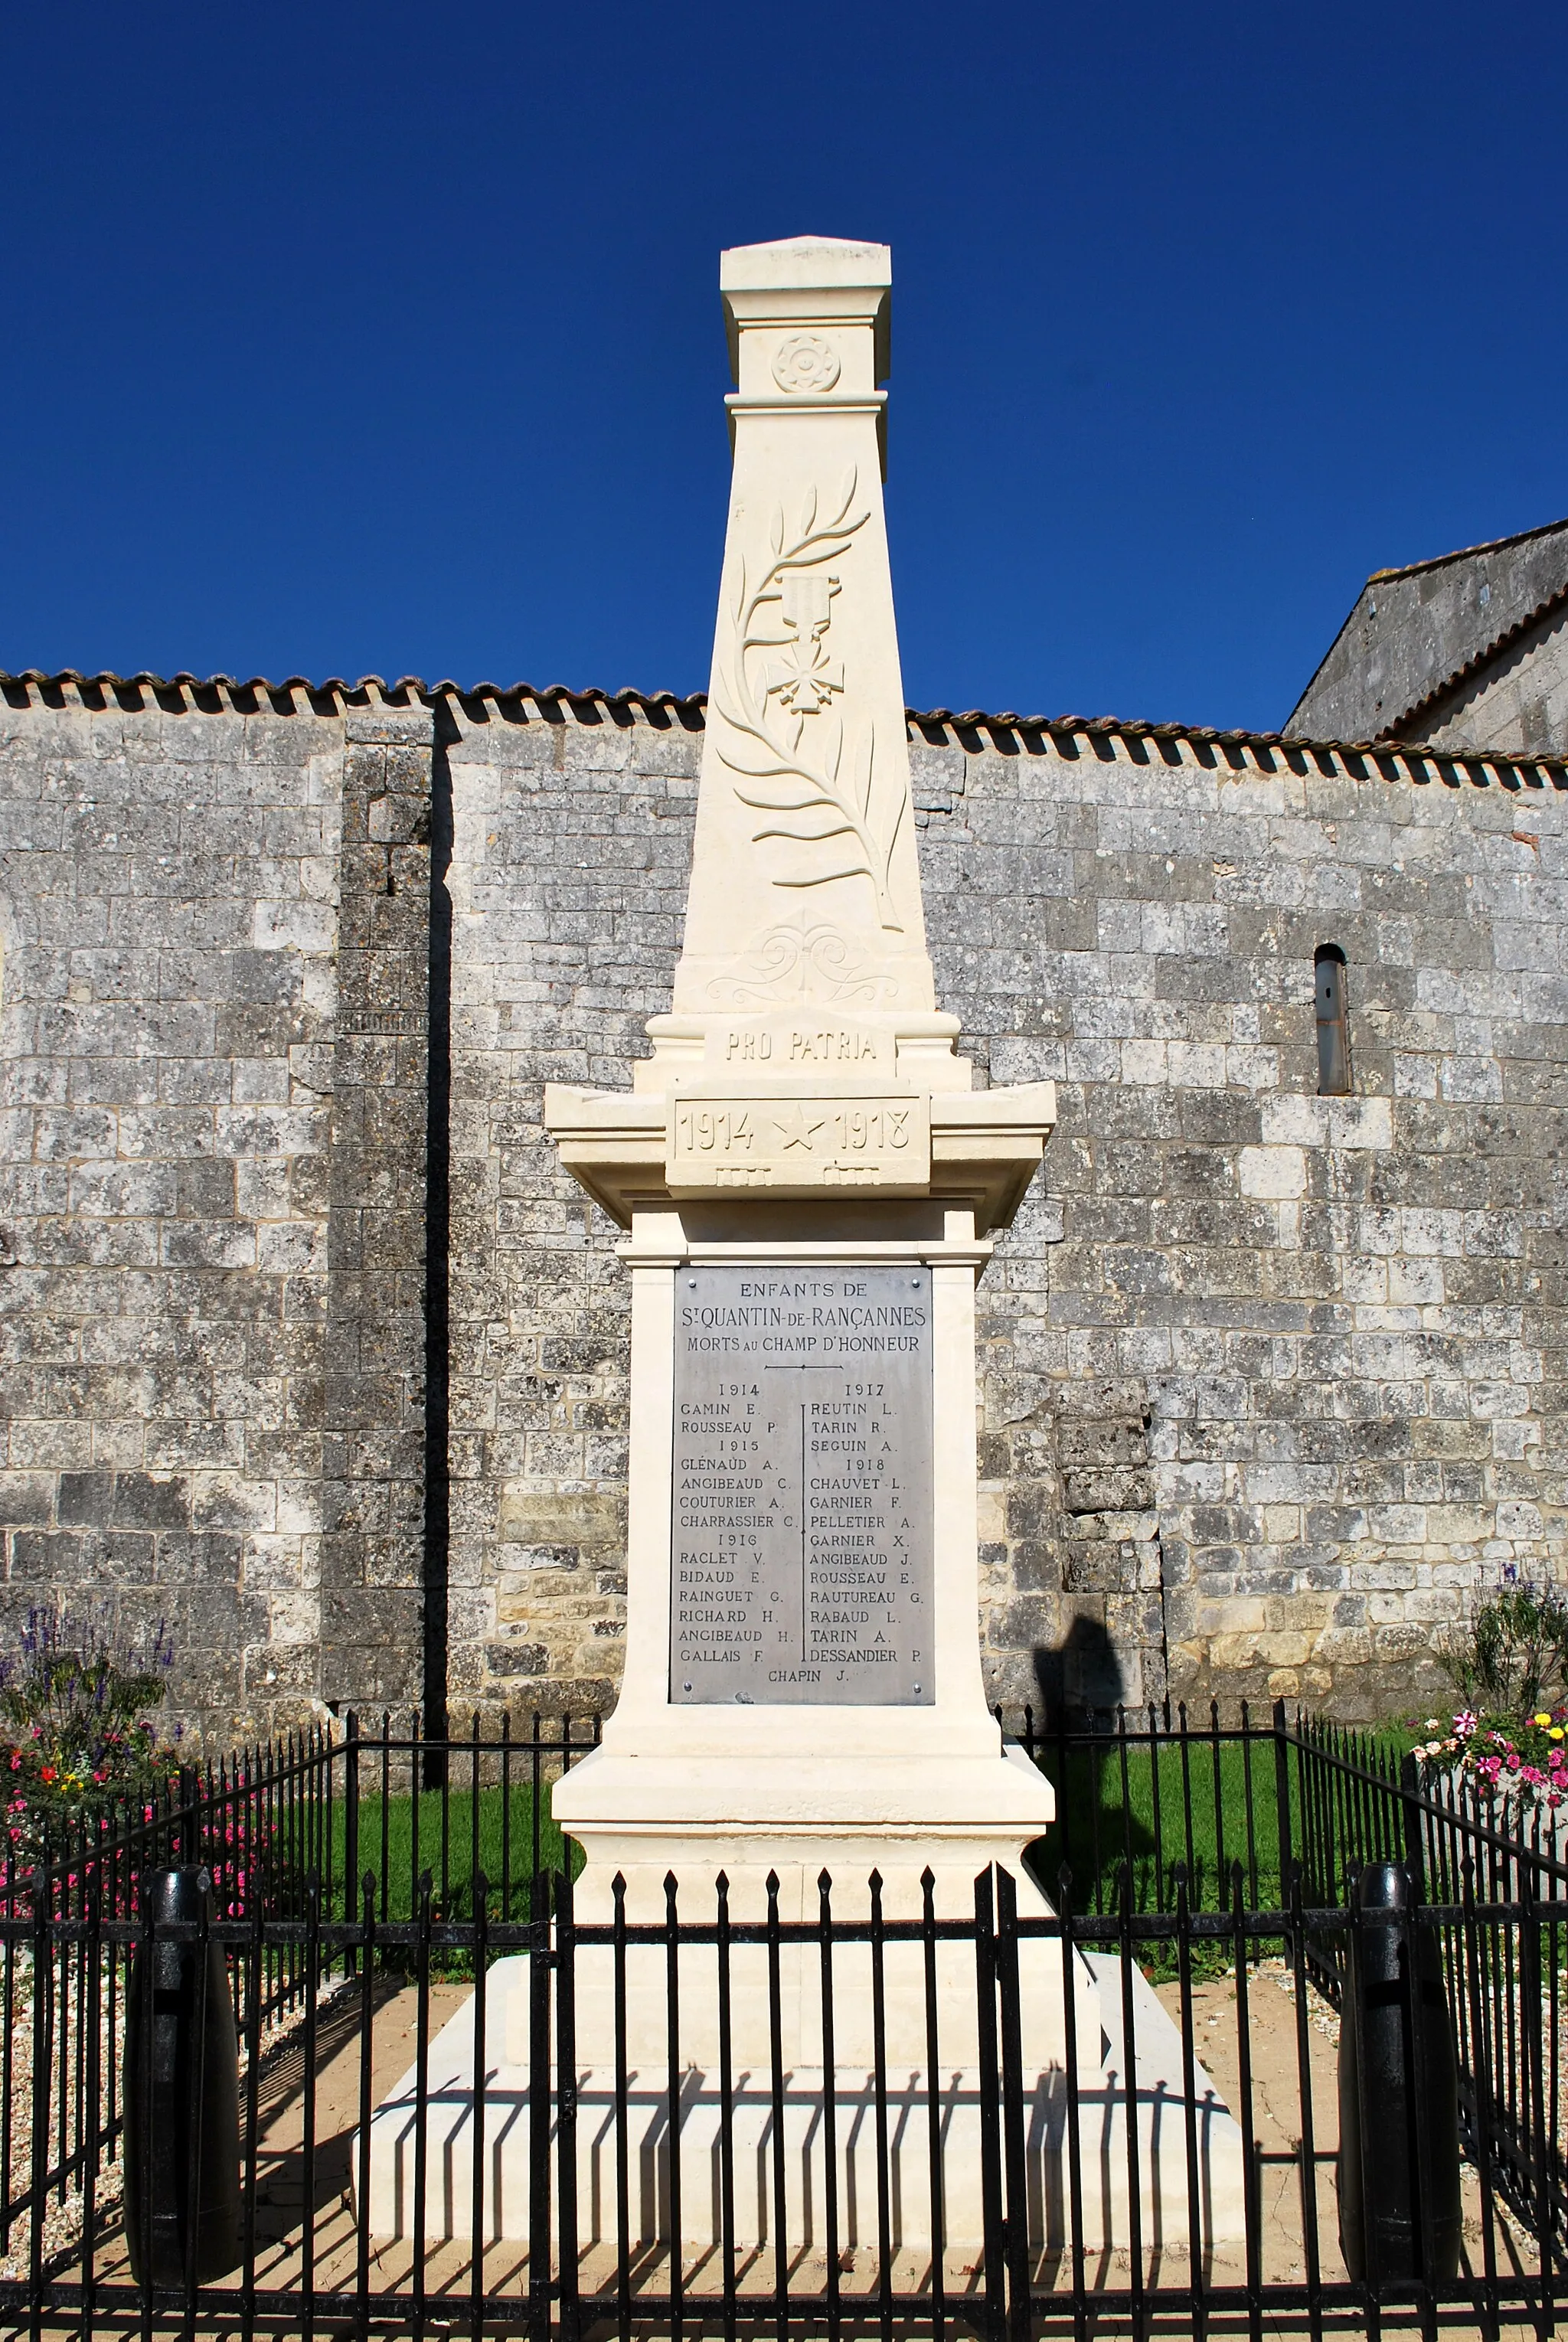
x: 638, y: 2127
x: 803, y: 1688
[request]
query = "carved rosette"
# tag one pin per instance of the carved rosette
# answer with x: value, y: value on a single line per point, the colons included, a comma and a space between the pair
x: 805, y: 362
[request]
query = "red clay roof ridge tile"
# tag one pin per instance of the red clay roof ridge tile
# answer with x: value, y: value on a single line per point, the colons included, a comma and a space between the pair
x: 691, y: 706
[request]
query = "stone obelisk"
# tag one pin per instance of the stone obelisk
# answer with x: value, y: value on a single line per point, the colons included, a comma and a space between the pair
x: 810, y: 1184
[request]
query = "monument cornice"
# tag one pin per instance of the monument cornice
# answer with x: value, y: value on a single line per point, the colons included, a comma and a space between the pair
x: 985, y: 1147
x: 823, y: 402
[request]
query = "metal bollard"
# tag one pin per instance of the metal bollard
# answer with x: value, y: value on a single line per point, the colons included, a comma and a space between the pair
x: 182, y: 2095
x: 1399, y: 2196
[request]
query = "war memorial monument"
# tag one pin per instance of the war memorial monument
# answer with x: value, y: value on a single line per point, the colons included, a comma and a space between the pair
x: 809, y: 1186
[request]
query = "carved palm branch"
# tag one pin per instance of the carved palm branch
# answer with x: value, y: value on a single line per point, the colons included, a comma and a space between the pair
x: 815, y: 805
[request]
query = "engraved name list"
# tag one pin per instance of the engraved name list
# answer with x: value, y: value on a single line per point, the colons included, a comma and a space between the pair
x: 801, y: 1553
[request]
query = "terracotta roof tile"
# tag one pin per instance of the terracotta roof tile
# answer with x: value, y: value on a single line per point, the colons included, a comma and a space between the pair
x: 1266, y: 751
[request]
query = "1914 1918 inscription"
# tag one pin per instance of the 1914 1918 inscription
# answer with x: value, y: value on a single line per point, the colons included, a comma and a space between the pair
x: 801, y: 1553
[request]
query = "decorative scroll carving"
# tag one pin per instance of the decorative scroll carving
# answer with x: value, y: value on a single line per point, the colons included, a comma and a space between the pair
x: 779, y: 684
x: 819, y: 963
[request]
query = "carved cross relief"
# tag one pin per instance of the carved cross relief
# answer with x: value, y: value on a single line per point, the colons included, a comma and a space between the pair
x: 805, y: 679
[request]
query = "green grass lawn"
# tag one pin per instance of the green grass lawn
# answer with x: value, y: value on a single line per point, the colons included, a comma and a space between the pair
x: 402, y: 1838
x: 1108, y: 1816
x: 1117, y: 1805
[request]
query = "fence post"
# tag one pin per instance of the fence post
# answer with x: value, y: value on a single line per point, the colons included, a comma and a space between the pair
x: 478, y: 2167
x: 351, y: 1826
x: 43, y: 2078
x: 1400, y: 2215
x: 994, y: 2249
x: 183, y: 2210
x: 1282, y: 1796
x: 566, y: 2104
x: 1541, y: 2145
x: 190, y: 1792
x: 1013, y: 2163
x: 539, y: 2109
x: 1410, y: 1815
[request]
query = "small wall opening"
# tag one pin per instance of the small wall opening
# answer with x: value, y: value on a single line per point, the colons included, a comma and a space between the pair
x: 1332, y: 1023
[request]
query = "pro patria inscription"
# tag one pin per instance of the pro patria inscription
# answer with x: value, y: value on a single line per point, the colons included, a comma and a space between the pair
x: 800, y: 1547
x: 794, y: 1141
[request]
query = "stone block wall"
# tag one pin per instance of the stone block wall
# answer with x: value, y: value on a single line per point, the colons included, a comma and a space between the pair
x: 211, y: 1179
x: 308, y: 1349
x: 1518, y: 701
x: 572, y: 847
x: 1271, y: 1384
x: 372, y: 1548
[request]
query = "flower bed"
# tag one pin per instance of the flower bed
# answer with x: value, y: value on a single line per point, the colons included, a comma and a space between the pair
x: 80, y: 1752
x: 1524, y: 1758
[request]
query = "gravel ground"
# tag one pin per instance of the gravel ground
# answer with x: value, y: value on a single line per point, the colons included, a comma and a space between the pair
x: 63, y: 2222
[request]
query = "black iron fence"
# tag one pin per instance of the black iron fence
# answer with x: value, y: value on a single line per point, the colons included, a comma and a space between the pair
x: 474, y: 2096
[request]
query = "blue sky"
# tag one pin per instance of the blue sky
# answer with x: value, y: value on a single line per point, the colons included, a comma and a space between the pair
x: 347, y: 338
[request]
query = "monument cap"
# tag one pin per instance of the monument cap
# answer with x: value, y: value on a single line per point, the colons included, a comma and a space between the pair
x: 802, y: 263
x: 808, y: 278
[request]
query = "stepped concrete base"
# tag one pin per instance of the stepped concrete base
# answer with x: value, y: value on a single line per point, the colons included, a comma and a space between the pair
x: 1161, y: 2133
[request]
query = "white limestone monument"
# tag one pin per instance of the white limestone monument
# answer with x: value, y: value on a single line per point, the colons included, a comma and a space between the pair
x: 810, y: 1184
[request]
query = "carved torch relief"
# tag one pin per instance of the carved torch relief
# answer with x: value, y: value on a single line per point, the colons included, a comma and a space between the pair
x: 782, y: 732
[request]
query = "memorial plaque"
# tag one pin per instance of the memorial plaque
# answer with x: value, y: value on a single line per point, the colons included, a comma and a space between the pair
x: 800, y: 1547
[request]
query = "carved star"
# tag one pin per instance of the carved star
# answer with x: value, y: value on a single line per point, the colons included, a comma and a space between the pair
x: 795, y: 1130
